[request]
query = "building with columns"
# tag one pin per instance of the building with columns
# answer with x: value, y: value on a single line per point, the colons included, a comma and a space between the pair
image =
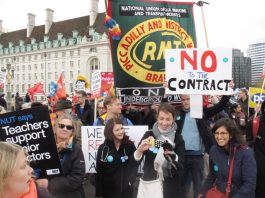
x: 41, y: 53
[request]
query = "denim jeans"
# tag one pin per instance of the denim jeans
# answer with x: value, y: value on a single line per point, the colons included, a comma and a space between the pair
x: 192, y: 173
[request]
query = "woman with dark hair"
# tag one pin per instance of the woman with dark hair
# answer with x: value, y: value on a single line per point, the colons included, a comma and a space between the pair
x: 116, y: 167
x: 231, y: 147
x: 163, y: 149
x: 239, y: 117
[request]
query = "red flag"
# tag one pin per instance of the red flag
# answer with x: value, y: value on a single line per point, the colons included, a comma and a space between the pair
x: 60, y: 88
x: 37, y: 88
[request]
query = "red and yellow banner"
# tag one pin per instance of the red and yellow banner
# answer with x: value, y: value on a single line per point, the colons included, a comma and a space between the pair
x: 148, y: 28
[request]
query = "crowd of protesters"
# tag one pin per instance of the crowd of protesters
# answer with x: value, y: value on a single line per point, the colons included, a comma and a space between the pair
x: 182, y: 156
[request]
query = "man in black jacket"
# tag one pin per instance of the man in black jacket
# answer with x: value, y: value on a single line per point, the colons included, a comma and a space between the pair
x: 83, y: 109
x: 258, y: 144
x: 198, y: 140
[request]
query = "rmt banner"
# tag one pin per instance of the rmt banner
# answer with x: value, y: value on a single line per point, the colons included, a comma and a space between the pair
x: 32, y: 129
x: 199, y: 71
x: 148, y: 28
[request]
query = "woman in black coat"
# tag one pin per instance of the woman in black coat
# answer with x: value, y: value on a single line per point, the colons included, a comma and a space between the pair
x: 169, y: 167
x: 70, y: 185
x: 116, y: 167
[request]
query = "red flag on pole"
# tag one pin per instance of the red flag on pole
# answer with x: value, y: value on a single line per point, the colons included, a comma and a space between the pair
x: 60, y: 88
x: 37, y: 88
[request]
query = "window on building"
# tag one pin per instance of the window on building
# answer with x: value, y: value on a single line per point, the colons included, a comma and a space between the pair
x: 17, y: 68
x: 93, y: 49
x: 23, y: 58
x: 71, y: 74
x: 71, y: 87
x: 29, y: 58
x: 36, y: 66
x: 29, y: 67
x: 63, y: 65
x: 94, y: 64
x: 72, y: 53
x: 23, y: 88
x: 63, y: 73
x: 23, y: 76
x: 42, y: 76
x: 56, y: 55
x: 49, y: 55
x: 42, y: 66
x: 17, y: 76
x: 71, y: 64
x: 63, y: 54
x: 49, y: 75
x: 36, y: 76
x: 29, y: 85
x: 35, y: 57
x: 23, y: 67
x: 29, y: 77
x: 56, y: 65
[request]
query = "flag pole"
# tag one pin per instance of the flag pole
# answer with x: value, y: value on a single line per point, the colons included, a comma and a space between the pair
x: 106, y: 6
x: 200, y: 4
x: 95, y: 108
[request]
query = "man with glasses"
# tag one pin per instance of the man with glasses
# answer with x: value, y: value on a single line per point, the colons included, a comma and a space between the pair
x: 83, y: 109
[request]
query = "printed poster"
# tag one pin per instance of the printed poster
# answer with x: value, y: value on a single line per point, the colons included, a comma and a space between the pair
x: 148, y: 28
x: 32, y: 129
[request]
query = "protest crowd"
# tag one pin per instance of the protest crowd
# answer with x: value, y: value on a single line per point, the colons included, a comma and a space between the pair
x: 182, y: 156
x: 87, y: 144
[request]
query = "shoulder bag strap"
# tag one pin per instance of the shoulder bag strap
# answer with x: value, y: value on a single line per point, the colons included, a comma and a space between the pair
x: 229, y: 182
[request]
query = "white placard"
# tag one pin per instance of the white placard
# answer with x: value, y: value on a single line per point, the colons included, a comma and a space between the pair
x: 196, y: 109
x: 199, y: 71
x: 93, y: 137
x: 96, y: 83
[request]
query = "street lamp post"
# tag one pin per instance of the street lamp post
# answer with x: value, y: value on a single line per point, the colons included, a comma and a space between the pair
x: 14, y: 76
x: 45, y: 55
x: 9, y: 77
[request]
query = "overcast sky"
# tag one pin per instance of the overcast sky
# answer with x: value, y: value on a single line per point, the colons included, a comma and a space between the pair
x: 229, y: 23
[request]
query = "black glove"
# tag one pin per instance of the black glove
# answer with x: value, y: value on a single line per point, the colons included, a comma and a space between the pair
x: 169, y: 153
